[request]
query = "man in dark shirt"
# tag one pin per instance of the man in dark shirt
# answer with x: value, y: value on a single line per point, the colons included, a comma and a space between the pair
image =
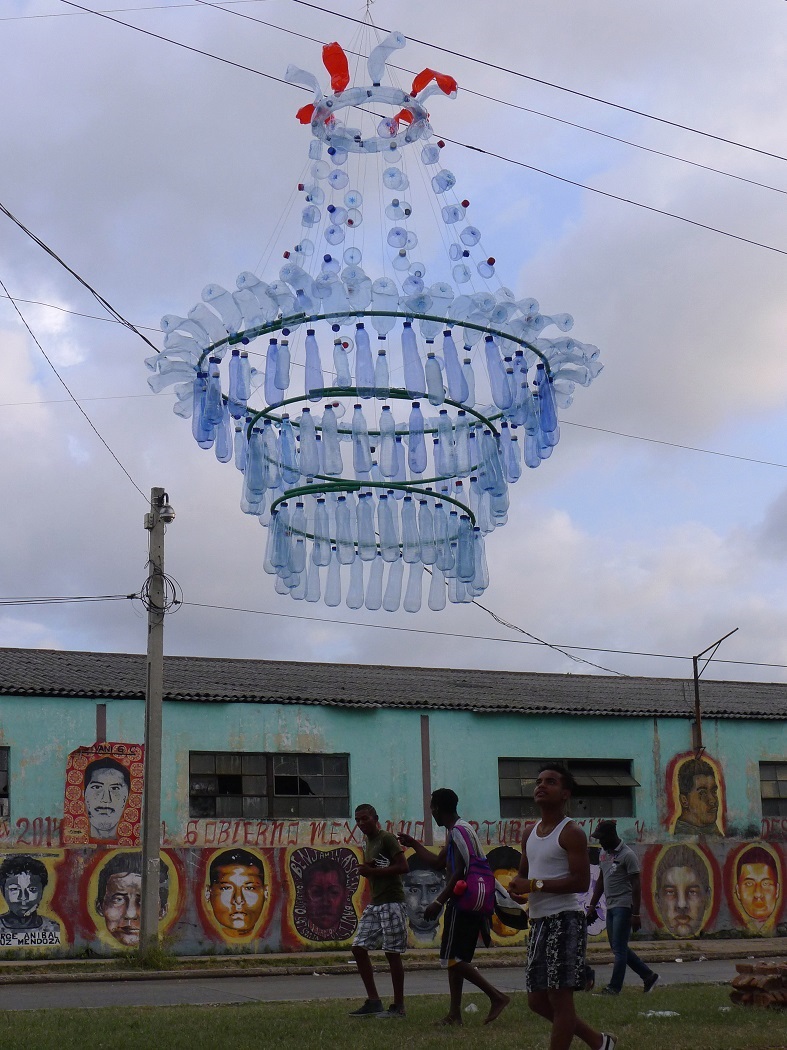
x: 384, y: 923
x: 619, y: 880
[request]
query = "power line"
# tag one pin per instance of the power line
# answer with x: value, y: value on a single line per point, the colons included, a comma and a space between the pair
x: 512, y: 105
x: 75, y: 313
x: 62, y: 600
x: 227, y: 7
x: 548, y: 83
x: 674, y: 444
x: 67, y: 389
x: 99, y: 298
x: 458, y: 142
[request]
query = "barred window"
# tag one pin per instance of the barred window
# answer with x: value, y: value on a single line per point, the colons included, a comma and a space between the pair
x: 5, y: 807
x: 773, y: 788
x: 260, y: 785
x: 605, y: 787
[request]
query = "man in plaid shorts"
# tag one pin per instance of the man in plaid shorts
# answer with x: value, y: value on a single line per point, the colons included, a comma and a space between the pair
x: 384, y: 923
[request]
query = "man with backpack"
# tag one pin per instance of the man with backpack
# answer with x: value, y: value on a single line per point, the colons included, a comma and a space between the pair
x: 469, y: 897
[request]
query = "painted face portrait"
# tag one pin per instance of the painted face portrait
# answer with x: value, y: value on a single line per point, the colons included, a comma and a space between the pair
x: 324, y: 884
x: 119, y: 898
x: 236, y: 892
x: 683, y: 891
x: 421, y: 886
x: 504, y: 861
x: 107, y: 786
x: 22, y: 883
x: 757, y: 888
x: 325, y: 892
x: 698, y: 795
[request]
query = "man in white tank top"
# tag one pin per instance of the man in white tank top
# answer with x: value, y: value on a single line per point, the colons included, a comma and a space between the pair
x: 555, y: 868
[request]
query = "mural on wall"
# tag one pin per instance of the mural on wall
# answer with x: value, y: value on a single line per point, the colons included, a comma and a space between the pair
x: 504, y: 862
x: 754, y: 879
x: 325, y: 885
x: 234, y: 897
x: 695, y: 790
x: 114, y: 897
x: 421, y: 885
x: 27, y: 885
x: 683, y: 889
x: 103, y: 795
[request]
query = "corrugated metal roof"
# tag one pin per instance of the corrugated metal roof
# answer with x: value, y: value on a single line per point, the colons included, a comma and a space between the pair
x: 47, y: 672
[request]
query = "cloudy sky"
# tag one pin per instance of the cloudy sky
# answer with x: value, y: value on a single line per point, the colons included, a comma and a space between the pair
x: 152, y: 170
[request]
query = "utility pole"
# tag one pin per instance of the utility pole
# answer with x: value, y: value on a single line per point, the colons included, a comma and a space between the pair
x: 160, y: 515
x: 696, y: 729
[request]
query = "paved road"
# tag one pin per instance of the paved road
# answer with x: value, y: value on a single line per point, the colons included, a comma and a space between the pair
x: 223, y: 990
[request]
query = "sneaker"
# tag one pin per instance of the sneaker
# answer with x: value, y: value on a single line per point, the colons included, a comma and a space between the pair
x: 371, y: 1008
x: 651, y: 982
x: 609, y: 991
x: 608, y: 1042
x: 394, y: 1013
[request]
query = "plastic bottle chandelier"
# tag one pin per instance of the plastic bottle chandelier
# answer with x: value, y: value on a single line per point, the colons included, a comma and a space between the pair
x: 380, y: 443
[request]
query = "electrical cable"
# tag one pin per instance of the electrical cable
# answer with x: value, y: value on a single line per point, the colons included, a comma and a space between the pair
x: 557, y: 87
x: 61, y: 600
x: 173, y: 594
x: 75, y: 313
x: 67, y: 389
x: 512, y: 105
x: 458, y: 142
x: 99, y: 298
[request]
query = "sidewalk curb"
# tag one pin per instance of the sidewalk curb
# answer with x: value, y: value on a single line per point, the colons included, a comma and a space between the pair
x: 597, y: 956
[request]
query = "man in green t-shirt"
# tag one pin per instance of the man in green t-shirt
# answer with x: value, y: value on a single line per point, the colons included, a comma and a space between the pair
x: 384, y: 922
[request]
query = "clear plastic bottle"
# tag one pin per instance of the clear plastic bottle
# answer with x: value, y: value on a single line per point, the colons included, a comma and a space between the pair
x: 298, y: 549
x: 341, y: 364
x: 272, y: 392
x: 464, y: 463
x: 387, y: 449
x: 434, y: 380
x: 374, y: 586
x: 345, y: 550
x: 364, y: 366
x: 240, y: 446
x: 494, y: 481
x: 412, y: 595
x: 382, y: 382
x: 309, y: 455
x: 214, y: 404
x: 312, y: 581
x: 445, y: 432
x: 331, y: 450
x: 321, y: 549
x: 414, y: 380
x: 411, y: 544
x: 223, y: 446
x: 547, y: 409
x: 389, y: 544
x: 444, y: 558
x: 288, y: 455
x: 426, y: 534
x: 281, y: 377
x: 457, y: 383
x: 355, y: 590
x: 203, y: 432
x: 469, y: 374
x: 416, y: 450
x: 333, y: 584
x: 367, y: 542
x: 393, y: 586
x: 314, y: 380
x: 465, y: 559
x: 362, y: 454
x: 237, y: 402
x: 498, y: 381
x: 271, y: 455
x: 437, y: 590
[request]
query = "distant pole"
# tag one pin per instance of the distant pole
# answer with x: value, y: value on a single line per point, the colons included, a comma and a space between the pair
x: 697, y: 727
x: 160, y: 515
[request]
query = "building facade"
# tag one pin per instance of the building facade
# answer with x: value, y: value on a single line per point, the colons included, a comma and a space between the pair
x: 265, y: 762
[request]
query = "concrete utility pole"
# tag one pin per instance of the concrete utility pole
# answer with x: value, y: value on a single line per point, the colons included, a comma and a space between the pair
x: 160, y: 515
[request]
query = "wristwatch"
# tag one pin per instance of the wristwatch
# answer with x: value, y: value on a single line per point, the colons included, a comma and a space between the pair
x: 538, y: 884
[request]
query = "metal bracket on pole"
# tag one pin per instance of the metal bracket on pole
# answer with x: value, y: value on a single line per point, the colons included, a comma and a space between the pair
x: 696, y: 725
